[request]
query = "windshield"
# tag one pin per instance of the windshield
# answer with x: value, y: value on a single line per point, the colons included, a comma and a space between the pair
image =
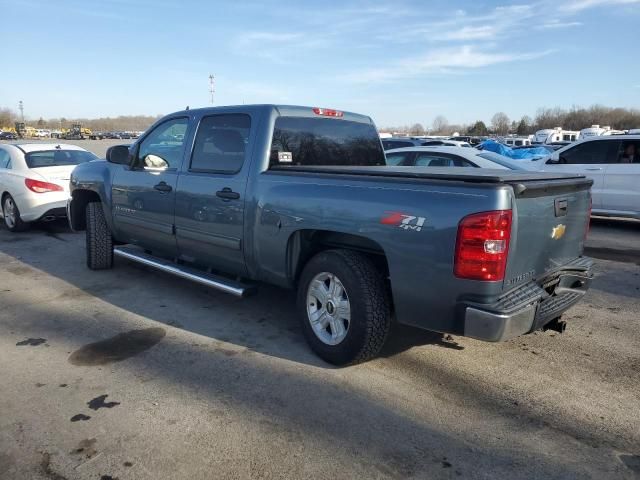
x: 500, y: 160
x: 57, y: 158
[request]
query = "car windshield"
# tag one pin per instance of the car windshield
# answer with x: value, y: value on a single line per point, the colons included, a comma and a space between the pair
x: 58, y: 157
x: 500, y: 160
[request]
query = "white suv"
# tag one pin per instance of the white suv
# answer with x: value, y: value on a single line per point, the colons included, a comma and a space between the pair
x: 613, y: 162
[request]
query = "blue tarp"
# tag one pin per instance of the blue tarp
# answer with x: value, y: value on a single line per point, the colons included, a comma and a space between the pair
x: 514, y: 153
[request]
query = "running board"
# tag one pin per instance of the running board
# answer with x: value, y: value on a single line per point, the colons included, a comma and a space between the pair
x: 214, y: 281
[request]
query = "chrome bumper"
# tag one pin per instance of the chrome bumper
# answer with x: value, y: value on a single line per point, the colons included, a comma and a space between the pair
x: 527, y: 308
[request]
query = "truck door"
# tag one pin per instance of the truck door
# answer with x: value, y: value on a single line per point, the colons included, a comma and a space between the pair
x: 143, y: 194
x: 621, y: 179
x: 589, y: 159
x: 210, y: 198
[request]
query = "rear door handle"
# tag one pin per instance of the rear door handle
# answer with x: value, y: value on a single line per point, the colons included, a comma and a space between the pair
x: 593, y: 169
x: 227, y: 194
x: 163, y: 187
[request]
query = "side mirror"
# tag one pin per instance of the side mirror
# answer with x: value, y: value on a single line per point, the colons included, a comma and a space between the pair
x: 554, y: 158
x: 154, y: 162
x: 118, y: 154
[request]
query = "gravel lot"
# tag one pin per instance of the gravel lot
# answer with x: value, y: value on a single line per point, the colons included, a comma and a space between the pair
x: 203, y: 385
x: 190, y: 383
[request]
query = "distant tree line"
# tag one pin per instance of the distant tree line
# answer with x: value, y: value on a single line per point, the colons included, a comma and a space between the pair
x: 576, y: 118
x: 131, y: 123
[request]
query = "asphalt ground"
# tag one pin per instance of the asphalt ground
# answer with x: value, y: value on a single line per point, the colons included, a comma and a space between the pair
x: 133, y: 374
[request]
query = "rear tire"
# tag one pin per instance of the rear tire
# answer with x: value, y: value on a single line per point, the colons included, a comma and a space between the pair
x: 99, y: 240
x: 11, y: 214
x: 365, y: 296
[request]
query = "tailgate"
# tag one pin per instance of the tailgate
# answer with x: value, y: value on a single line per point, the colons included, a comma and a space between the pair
x: 551, y: 218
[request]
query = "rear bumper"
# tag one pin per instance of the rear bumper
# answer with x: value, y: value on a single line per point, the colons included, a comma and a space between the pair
x: 529, y: 307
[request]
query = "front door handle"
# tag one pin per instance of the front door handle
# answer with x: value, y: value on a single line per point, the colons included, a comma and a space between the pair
x: 163, y: 187
x: 227, y: 194
x: 593, y: 169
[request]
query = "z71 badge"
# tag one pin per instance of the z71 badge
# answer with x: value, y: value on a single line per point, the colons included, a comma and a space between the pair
x: 401, y: 220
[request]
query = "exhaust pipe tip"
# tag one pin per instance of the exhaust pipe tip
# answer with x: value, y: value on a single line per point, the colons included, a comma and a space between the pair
x: 49, y: 218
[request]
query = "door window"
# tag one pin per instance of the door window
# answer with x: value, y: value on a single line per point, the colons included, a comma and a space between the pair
x: 629, y: 152
x: 162, y: 148
x: 435, y: 160
x: 394, y: 159
x: 588, y: 153
x: 221, y: 143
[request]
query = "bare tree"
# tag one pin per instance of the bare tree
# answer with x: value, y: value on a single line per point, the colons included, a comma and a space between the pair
x: 440, y: 124
x: 500, y: 123
x: 416, y: 129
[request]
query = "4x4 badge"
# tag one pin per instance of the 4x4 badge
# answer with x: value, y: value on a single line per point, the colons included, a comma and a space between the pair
x: 401, y: 220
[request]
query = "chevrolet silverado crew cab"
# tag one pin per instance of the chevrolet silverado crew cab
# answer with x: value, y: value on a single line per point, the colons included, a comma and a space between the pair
x: 299, y: 197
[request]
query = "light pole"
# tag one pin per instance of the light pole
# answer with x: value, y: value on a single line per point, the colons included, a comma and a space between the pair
x: 21, y: 108
x: 211, y: 86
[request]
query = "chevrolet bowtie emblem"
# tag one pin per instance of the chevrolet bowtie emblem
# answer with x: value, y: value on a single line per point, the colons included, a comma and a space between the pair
x: 558, y: 232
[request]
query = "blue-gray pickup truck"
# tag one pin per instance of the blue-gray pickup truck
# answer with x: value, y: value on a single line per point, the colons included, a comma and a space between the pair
x: 300, y: 197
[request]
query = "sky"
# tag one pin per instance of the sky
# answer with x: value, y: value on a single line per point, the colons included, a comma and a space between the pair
x: 400, y: 62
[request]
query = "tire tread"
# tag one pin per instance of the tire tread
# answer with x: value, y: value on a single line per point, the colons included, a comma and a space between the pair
x: 99, y: 240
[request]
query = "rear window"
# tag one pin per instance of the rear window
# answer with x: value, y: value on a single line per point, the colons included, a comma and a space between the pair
x: 500, y: 160
x: 56, y: 158
x: 325, y: 141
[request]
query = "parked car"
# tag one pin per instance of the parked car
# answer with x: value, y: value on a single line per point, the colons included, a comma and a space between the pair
x: 445, y: 143
x: 613, y: 163
x: 400, y: 142
x: 449, y: 157
x: 8, y: 136
x: 302, y: 198
x: 34, y: 181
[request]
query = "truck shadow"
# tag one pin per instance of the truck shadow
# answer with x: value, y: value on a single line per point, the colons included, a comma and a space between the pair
x: 266, y: 323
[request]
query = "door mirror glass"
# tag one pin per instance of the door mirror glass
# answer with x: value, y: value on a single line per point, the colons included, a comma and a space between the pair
x: 118, y: 154
x: 154, y: 162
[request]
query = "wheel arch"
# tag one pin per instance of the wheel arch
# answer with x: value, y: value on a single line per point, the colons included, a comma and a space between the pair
x: 303, y: 244
x: 78, y: 206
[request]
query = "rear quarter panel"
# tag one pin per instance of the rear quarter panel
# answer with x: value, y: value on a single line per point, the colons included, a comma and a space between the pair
x: 424, y: 288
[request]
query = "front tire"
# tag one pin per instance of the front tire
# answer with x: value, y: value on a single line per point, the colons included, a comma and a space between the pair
x: 99, y: 240
x: 11, y: 215
x: 344, y: 307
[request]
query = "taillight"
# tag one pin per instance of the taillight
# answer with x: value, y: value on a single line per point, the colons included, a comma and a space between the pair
x: 327, y: 112
x: 42, y: 187
x: 482, y: 246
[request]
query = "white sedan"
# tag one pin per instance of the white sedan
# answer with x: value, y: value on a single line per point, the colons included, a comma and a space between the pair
x: 34, y: 181
x: 449, y: 157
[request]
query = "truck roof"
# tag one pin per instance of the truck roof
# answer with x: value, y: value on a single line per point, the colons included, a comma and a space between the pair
x: 283, y: 110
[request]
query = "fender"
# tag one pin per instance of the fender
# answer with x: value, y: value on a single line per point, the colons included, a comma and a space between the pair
x: 88, y: 181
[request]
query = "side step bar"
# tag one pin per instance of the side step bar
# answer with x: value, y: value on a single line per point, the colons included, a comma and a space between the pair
x: 214, y: 281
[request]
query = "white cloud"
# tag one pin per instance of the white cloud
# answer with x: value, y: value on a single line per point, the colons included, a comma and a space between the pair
x: 440, y: 61
x: 579, y: 5
x: 556, y: 24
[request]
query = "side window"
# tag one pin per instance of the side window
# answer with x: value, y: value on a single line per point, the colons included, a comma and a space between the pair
x: 588, y: 153
x: 221, y: 143
x: 163, y: 147
x: 629, y: 152
x: 394, y: 159
x: 5, y: 159
x: 435, y: 160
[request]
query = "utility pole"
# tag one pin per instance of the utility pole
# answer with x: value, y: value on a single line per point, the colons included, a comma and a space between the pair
x: 21, y: 108
x: 212, y: 89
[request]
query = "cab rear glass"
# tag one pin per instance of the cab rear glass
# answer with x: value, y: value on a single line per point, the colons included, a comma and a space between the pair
x: 324, y: 141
